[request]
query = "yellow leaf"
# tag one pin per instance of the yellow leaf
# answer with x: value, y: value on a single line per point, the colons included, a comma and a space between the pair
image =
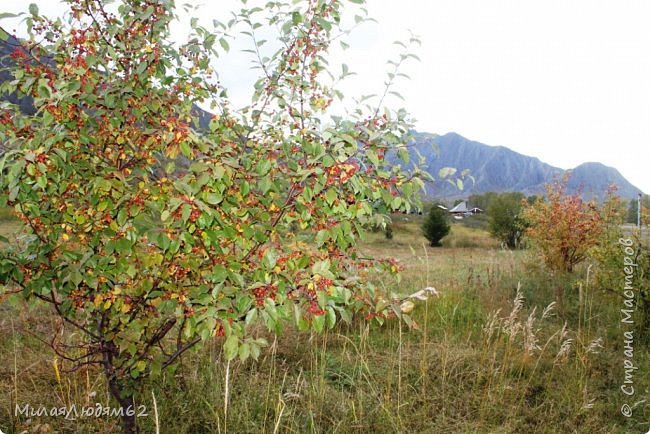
x: 98, y: 300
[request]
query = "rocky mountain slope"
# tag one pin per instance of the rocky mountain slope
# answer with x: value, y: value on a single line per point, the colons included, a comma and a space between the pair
x: 499, y: 169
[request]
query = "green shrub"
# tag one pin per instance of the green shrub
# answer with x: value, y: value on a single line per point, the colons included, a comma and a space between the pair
x: 505, y: 222
x: 436, y: 226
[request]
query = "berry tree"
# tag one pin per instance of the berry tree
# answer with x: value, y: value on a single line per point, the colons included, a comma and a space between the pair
x: 563, y: 227
x: 147, y: 258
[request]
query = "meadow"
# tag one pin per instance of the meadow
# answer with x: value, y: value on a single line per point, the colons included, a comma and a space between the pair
x: 492, y: 354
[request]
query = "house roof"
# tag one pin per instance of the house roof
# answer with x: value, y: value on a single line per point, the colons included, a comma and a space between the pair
x: 461, y: 207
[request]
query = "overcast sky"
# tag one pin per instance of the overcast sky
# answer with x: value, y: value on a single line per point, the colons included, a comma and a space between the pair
x: 565, y: 81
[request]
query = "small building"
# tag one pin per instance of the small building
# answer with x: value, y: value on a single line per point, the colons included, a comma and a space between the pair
x: 460, y: 209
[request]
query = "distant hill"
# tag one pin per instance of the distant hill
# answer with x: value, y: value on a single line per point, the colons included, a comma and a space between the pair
x: 499, y: 169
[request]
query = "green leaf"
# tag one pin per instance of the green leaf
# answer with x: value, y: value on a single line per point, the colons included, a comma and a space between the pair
x: 319, y: 322
x: 331, y: 317
x: 42, y: 182
x: 330, y: 196
x: 244, y: 351
x: 186, y: 212
x: 263, y: 167
x: 372, y: 157
x: 43, y: 88
x: 185, y: 149
x: 164, y: 241
x: 33, y: 9
x: 122, y: 215
x: 230, y: 347
x: 325, y: 24
x: 9, y: 15
x: 446, y: 172
x: 251, y: 316
x: 142, y: 66
x: 270, y: 258
x: 224, y: 44
x: 255, y: 351
x: 213, y: 198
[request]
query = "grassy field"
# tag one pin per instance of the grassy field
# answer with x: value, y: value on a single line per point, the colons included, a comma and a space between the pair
x: 492, y: 355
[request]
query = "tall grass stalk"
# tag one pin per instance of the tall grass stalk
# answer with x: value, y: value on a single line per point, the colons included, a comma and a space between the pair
x: 155, y: 412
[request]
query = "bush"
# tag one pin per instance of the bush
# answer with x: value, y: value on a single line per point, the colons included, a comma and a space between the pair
x: 436, y: 226
x: 505, y: 222
x: 146, y: 261
x: 618, y: 251
x: 564, y: 228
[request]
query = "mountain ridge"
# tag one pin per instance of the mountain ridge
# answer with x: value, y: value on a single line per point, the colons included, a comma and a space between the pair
x: 500, y: 169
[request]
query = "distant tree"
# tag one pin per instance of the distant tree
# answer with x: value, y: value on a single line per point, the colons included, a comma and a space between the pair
x: 633, y: 209
x: 505, y: 221
x: 482, y: 201
x: 607, y: 252
x: 532, y: 199
x: 564, y: 227
x: 436, y: 226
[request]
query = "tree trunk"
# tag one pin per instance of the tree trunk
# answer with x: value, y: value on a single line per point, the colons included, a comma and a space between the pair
x: 128, y: 415
x: 122, y: 395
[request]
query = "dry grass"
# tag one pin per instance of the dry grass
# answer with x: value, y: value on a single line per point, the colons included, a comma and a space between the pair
x: 8, y: 228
